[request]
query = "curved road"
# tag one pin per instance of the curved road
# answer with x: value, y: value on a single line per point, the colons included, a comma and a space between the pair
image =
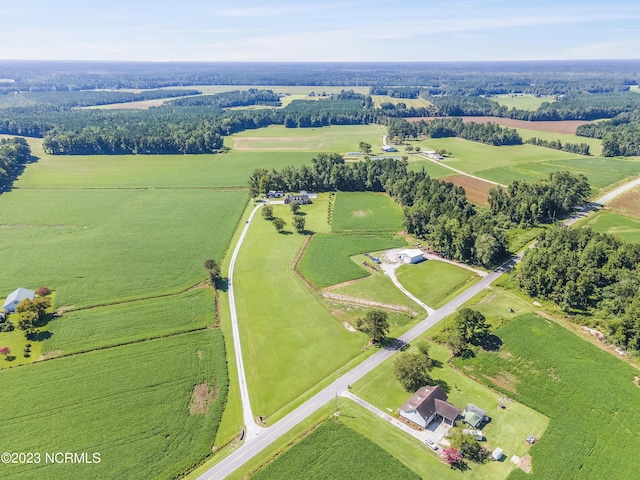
x: 257, y: 443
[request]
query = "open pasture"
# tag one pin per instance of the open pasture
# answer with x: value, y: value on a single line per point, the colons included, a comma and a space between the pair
x: 366, y: 212
x: 284, y: 89
x: 595, y: 144
x: 101, y: 246
x: 378, y: 100
x: 521, y: 102
x: 335, y: 138
x: 334, y: 451
x: 622, y: 226
x: 435, y: 282
x: 627, y: 204
x: 130, y: 404
x: 476, y: 191
x: 290, y: 340
x: 101, y: 327
x: 589, y: 435
x: 326, y: 260
x: 417, y: 164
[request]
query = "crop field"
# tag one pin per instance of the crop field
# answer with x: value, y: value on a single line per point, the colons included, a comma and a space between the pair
x: 378, y: 100
x: 561, y: 126
x: 627, y: 204
x: 335, y: 451
x: 476, y: 191
x: 622, y: 226
x: 589, y: 435
x: 284, y: 89
x: 508, y: 428
x: 366, y: 212
x: 134, y: 405
x: 595, y: 144
x: 435, y: 282
x: 326, y: 260
x: 290, y: 340
x: 343, y: 138
x: 417, y: 164
x: 101, y: 246
x: 101, y: 327
x: 521, y: 102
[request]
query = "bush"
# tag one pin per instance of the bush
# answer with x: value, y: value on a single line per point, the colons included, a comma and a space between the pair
x: 43, y: 291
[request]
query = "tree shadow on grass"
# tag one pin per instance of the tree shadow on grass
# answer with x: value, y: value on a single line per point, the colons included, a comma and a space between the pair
x: 442, y: 384
x: 491, y: 343
x: 223, y: 284
x: 39, y: 336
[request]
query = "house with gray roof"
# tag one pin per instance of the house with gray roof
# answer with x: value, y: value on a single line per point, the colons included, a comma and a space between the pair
x: 15, y: 297
x: 427, y: 404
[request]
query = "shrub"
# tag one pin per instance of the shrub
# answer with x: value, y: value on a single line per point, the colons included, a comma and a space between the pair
x: 43, y: 291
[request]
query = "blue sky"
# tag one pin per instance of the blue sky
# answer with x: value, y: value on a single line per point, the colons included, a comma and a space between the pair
x: 285, y: 30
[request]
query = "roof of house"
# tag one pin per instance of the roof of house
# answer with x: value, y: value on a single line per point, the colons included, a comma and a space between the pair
x: 413, y: 252
x: 472, y: 418
x: 19, y: 294
x: 477, y: 410
x: 429, y: 400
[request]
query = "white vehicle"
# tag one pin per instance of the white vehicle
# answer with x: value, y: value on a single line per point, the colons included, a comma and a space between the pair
x: 430, y: 443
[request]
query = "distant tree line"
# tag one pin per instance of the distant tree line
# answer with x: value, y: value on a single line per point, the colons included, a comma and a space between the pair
x: 235, y: 98
x: 14, y: 153
x: 589, y: 272
x: 435, y: 211
x: 620, y: 135
x: 579, y: 148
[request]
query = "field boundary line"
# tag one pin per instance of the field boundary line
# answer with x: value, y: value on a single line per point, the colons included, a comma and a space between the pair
x: 362, y: 302
x: 426, y: 157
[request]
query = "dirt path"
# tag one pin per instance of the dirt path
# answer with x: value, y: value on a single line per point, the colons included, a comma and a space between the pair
x: 361, y: 301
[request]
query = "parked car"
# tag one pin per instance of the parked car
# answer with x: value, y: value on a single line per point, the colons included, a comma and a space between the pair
x: 431, y: 444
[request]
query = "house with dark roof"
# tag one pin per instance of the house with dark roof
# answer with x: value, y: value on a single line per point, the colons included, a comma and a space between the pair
x: 302, y: 198
x: 427, y: 404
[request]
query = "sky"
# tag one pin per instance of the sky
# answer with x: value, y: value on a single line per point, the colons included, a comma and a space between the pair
x: 308, y: 31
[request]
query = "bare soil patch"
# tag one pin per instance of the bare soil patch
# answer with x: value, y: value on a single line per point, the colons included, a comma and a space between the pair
x: 51, y: 354
x: 525, y: 463
x: 504, y: 380
x: 477, y: 191
x: 141, y: 105
x: 561, y: 126
x: 264, y: 143
x: 627, y: 204
x: 361, y: 213
x: 201, y: 398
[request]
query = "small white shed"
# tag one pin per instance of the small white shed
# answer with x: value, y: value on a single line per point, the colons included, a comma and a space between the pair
x: 497, y: 454
x: 411, y: 256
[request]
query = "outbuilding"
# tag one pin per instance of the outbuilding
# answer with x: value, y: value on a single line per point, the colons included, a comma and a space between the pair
x: 389, y: 148
x: 15, y: 297
x: 497, y: 454
x: 411, y: 256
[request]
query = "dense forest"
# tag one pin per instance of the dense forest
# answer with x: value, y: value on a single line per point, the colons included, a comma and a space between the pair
x: 585, y: 271
x: 14, y: 154
x: 620, y: 135
x: 437, y: 211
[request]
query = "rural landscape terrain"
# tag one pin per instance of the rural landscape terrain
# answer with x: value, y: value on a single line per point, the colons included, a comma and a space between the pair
x: 380, y: 271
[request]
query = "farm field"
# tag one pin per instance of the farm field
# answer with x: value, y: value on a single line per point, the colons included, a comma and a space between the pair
x: 521, y: 102
x: 366, y: 212
x: 326, y: 260
x: 416, y: 164
x: 343, y: 138
x: 101, y: 327
x: 595, y: 144
x: 435, y: 282
x: 285, y: 89
x: 476, y: 191
x: 333, y: 451
x: 130, y: 404
x: 589, y: 436
x: 614, y: 223
x: 290, y: 340
x: 101, y: 246
x: 507, y: 429
x: 378, y: 100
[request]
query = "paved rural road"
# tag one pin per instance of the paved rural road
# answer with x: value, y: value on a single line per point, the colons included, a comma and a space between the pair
x: 252, y: 428
x: 255, y: 445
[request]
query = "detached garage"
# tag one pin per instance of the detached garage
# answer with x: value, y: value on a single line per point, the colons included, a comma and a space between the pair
x: 411, y: 256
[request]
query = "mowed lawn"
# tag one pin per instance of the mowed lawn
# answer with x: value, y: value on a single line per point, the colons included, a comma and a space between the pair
x: 334, y: 451
x: 130, y: 404
x: 366, y: 212
x: 101, y: 327
x: 435, y: 282
x: 624, y: 227
x: 507, y: 429
x: 335, y: 138
x: 101, y: 246
x: 326, y: 260
x: 290, y: 341
x: 588, y: 394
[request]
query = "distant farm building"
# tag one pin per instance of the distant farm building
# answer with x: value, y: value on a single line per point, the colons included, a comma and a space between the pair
x: 302, y: 198
x: 275, y: 194
x: 16, y: 297
x: 427, y: 404
x: 389, y: 148
x: 387, y: 157
x: 411, y: 256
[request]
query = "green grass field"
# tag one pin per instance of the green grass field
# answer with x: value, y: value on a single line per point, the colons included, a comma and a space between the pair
x: 130, y: 404
x: 435, y: 282
x: 594, y: 143
x: 290, y: 340
x: 101, y: 246
x: 366, y: 212
x: 547, y: 367
x: 335, y: 451
x: 130, y: 322
x: 628, y: 229
x: 409, y: 102
x: 342, y: 138
x: 326, y: 260
x: 521, y: 102
x: 417, y: 164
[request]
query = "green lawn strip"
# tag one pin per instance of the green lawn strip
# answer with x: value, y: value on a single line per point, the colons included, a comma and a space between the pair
x: 130, y: 404
x: 595, y: 144
x: 290, y: 341
x: 417, y: 164
x: 521, y: 102
x: 331, y: 451
x: 435, y: 282
x: 549, y: 368
x: 97, y: 247
x: 366, y: 212
x: 326, y: 260
x: 17, y: 343
x: 100, y: 327
x: 628, y: 229
x: 335, y: 138
x: 378, y: 288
